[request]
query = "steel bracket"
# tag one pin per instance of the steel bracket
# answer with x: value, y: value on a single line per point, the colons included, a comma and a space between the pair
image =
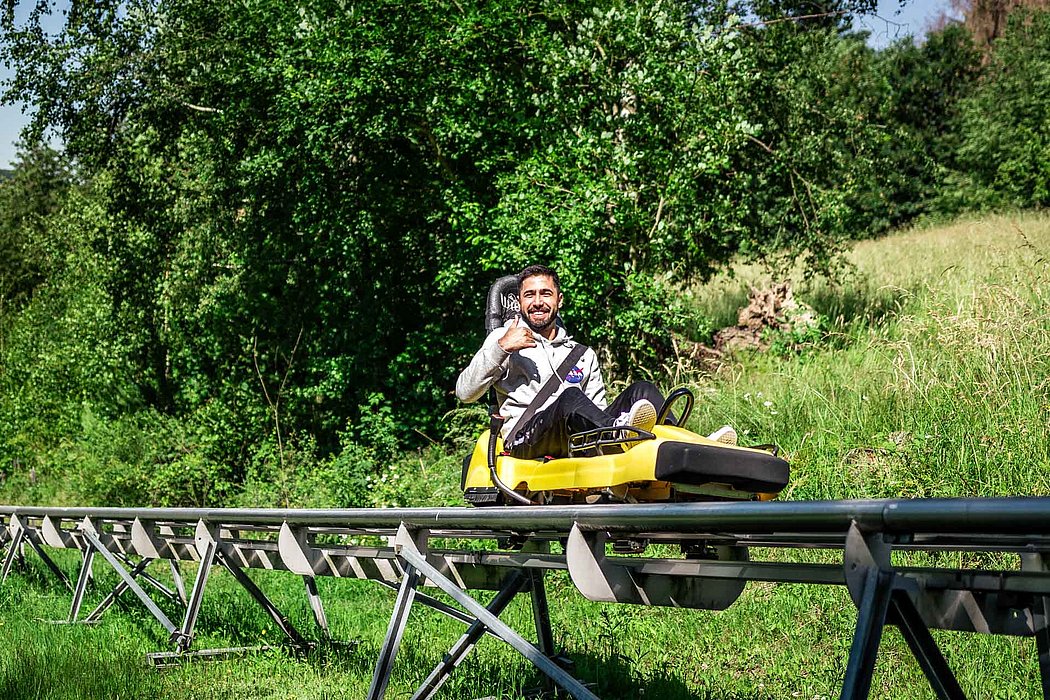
x: 882, y: 596
x: 602, y: 579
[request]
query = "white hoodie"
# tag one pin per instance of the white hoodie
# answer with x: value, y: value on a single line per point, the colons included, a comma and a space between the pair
x: 520, y: 375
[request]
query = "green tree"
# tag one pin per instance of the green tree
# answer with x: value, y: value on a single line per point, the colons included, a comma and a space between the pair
x: 35, y: 190
x: 1005, y: 148
x: 304, y: 203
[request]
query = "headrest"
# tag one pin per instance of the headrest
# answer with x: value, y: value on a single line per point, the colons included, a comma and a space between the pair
x: 502, y: 304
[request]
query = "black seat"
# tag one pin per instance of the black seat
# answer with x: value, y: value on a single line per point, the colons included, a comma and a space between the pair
x: 502, y: 303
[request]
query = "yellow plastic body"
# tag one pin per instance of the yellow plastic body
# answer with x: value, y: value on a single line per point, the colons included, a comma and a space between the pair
x: 635, y: 467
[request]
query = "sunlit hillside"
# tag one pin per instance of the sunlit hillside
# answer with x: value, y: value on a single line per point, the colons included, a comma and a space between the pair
x: 931, y: 377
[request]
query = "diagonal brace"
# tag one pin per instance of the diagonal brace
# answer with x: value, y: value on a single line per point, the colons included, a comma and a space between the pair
x: 924, y: 647
x: 279, y: 618
x: 151, y: 580
x: 116, y: 592
x: 435, y: 604
x: 129, y: 580
x: 514, y: 584
x: 566, y: 681
x: 49, y: 561
x: 1042, y: 645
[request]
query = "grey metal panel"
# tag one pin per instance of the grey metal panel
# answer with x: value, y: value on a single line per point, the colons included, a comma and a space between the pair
x: 602, y: 579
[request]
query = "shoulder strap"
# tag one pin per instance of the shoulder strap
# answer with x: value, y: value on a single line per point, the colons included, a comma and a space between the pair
x: 548, y: 389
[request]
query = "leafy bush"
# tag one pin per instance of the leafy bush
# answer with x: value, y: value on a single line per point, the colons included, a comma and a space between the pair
x: 142, y: 459
x: 1004, y: 156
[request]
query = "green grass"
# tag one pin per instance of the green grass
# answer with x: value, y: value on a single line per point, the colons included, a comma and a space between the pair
x: 932, y: 379
x: 936, y: 384
x: 777, y: 641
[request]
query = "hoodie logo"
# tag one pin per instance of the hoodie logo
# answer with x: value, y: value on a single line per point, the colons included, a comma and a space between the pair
x: 575, y: 375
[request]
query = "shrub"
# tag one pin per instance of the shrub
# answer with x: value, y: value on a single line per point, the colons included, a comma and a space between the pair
x: 1004, y: 157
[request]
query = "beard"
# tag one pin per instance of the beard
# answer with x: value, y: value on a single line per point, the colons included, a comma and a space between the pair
x: 540, y: 328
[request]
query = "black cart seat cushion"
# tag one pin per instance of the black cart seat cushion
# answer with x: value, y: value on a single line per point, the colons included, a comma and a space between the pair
x: 746, y: 470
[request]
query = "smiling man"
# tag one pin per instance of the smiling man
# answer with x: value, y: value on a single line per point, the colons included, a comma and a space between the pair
x: 533, y: 349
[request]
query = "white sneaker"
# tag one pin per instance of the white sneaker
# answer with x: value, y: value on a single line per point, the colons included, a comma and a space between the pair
x: 642, y: 415
x: 725, y: 435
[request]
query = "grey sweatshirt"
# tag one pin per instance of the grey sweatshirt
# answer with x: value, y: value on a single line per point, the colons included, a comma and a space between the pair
x: 518, y: 376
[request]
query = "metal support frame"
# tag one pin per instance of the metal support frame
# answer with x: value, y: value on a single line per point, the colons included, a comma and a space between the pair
x: 151, y: 580
x: 176, y: 576
x: 905, y: 616
x: 871, y: 618
x: 317, y: 606
x: 183, y: 637
x: 1042, y: 643
x: 541, y: 615
x: 394, y: 631
x: 435, y: 604
x: 114, y: 595
x: 48, y: 561
x: 91, y: 537
x: 312, y: 543
x: 82, y: 581
x: 409, y: 551
x: 13, y: 552
x: 515, y: 583
x: 882, y: 598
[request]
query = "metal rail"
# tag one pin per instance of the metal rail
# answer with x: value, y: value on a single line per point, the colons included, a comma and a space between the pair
x: 720, y: 543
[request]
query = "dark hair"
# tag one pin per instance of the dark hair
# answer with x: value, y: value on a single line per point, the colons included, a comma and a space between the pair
x: 536, y: 271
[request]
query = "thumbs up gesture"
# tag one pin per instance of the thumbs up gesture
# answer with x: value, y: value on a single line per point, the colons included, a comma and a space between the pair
x: 517, y: 336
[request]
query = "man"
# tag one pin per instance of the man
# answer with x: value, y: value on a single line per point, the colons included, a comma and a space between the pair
x: 520, y: 358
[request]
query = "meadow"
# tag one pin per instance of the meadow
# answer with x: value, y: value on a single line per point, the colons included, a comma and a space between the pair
x: 929, y: 377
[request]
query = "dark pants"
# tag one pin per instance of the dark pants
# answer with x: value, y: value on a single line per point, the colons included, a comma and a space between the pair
x: 547, y: 433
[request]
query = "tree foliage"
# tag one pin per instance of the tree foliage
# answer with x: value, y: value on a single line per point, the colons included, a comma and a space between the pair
x: 1005, y: 149
x: 273, y: 219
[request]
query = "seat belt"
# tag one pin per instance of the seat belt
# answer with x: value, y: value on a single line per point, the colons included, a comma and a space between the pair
x: 546, y: 391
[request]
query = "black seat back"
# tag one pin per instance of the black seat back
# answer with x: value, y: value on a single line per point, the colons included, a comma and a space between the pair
x: 502, y: 304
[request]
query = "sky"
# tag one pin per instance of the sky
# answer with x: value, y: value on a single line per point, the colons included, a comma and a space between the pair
x: 889, y: 23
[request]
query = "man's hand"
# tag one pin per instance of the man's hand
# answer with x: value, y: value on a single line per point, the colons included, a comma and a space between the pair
x: 518, y: 336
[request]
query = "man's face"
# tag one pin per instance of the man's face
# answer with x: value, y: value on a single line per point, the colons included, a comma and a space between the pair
x: 539, y: 301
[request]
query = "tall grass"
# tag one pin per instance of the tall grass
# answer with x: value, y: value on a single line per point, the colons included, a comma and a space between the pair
x: 937, y: 384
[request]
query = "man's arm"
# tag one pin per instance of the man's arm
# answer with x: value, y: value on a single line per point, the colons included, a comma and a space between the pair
x: 593, y: 386
x: 485, y: 369
x: 490, y: 362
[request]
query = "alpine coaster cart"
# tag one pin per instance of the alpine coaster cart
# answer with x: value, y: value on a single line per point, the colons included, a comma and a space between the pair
x: 669, y: 464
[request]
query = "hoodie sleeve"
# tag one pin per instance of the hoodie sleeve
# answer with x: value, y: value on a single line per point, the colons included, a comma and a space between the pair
x: 485, y: 369
x: 594, y: 387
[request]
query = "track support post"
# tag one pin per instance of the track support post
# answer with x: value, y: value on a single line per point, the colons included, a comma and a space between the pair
x: 394, y: 631
x: 206, y: 542
x: 883, y: 597
x: 15, y: 548
x: 411, y: 553
x: 317, y: 606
